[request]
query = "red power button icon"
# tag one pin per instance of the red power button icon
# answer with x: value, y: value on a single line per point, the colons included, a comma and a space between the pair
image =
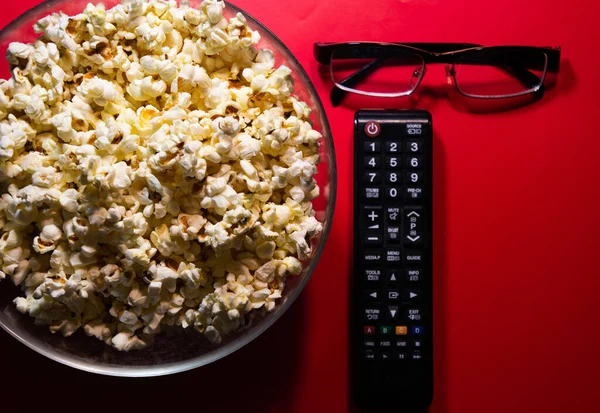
x: 372, y: 129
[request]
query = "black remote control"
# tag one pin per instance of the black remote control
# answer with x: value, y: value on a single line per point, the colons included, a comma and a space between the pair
x: 391, y: 351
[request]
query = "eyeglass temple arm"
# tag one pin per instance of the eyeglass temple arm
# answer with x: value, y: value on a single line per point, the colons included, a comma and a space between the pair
x: 338, y: 94
x: 322, y: 51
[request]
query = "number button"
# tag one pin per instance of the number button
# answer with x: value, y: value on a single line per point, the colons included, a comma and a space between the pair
x: 392, y: 193
x: 392, y: 147
x: 392, y: 162
x: 372, y: 147
x: 414, y: 146
x: 373, y: 178
x: 393, y: 178
x: 414, y: 162
x: 414, y: 177
x: 372, y: 161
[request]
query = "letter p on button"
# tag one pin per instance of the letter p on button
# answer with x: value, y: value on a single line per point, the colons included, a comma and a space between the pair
x: 372, y: 129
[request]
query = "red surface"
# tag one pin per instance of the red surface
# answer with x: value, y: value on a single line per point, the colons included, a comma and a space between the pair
x: 516, y: 227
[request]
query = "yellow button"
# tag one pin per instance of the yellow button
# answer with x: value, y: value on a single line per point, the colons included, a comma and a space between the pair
x: 401, y: 330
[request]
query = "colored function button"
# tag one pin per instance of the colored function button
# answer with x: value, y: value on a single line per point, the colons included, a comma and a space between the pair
x: 401, y: 330
x: 416, y: 330
x: 385, y: 330
x: 369, y: 330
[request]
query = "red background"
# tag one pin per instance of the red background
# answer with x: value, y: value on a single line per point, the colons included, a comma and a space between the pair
x: 516, y: 226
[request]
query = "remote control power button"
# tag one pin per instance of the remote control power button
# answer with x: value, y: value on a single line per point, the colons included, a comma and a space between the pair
x: 372, y: 129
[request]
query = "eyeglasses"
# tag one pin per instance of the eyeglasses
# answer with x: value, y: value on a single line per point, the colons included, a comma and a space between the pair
x: 396, y: 69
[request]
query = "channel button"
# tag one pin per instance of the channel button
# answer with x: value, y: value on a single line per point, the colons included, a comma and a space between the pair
x: 413, y: 226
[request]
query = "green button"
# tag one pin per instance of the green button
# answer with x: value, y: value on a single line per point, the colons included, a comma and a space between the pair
x: 385, y: 330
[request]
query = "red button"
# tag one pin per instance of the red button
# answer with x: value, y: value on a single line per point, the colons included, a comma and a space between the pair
x: 372, y: 129
x: 369, y: 330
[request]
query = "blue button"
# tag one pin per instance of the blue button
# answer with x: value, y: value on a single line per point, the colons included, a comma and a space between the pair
x: 417, y: 330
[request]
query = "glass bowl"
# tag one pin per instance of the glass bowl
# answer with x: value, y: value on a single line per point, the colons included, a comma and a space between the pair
x: 187, y: 349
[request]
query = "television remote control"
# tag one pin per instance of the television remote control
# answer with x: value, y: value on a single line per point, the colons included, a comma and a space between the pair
x: 391, y: 351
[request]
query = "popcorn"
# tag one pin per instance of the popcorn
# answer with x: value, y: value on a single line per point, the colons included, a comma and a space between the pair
x: 158, y: 172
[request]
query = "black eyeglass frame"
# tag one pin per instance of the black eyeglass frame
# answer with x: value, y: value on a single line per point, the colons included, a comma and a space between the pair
x: 448, y: 53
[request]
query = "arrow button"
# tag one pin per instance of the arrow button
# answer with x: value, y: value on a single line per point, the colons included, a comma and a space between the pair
x: 412, y: 295
x: 393, y: 276
x: 393, y: 312
x: 372, y: 295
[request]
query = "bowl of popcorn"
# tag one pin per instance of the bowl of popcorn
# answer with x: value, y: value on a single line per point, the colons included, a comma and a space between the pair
x: 167, y: 182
